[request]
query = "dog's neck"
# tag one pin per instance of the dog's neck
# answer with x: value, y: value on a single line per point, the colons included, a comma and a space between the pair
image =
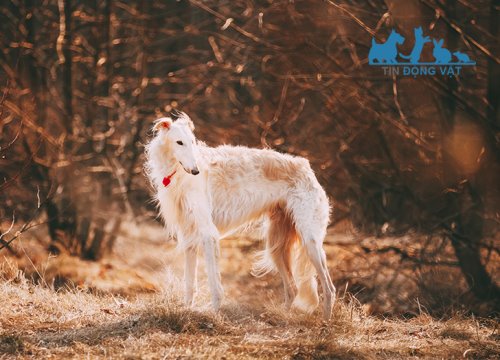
x: 170, y: 167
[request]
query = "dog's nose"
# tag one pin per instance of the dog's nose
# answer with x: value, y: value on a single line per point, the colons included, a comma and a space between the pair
x: 195, y: 172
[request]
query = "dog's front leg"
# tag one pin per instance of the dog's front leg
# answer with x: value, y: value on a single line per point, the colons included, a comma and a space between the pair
x: 190, y: 270
x: 211, y: 248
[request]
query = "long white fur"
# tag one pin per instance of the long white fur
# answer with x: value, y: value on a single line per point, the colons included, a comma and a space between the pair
x: 237, y: 185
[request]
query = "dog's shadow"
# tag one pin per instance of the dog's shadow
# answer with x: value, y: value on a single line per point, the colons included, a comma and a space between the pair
x: 173, y: 320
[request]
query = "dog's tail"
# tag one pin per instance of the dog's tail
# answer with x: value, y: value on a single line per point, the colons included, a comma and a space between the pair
x: 286, y: 253
x: 263, y: 263
x: 280, y: 237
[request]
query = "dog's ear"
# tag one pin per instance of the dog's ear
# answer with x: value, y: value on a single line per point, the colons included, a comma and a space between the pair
x: 183, y: 117
x: 190, y: 124
x: 162, y: 123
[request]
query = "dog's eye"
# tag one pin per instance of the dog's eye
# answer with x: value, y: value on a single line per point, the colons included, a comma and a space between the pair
x: 180, y: 142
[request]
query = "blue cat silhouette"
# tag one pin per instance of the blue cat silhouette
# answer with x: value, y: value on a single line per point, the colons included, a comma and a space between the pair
x: 386, y: 52
x: 420, y: 40
x: 441, y: 54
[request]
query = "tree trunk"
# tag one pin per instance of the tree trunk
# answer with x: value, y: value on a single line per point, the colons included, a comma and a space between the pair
x: 61, y: 211
x: 468, y: 233
x: 494, y: 68
x: 466, y: 240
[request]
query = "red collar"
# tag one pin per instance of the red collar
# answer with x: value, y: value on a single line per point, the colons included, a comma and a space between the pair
x: 167, y: 179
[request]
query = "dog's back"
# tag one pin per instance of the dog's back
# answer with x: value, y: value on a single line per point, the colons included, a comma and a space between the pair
x: 246, y: 183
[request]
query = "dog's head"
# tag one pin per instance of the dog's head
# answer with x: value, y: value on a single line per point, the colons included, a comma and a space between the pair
x: 180, y: 138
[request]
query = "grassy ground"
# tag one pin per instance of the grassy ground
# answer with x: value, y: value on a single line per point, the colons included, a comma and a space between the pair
x: 128, y: 306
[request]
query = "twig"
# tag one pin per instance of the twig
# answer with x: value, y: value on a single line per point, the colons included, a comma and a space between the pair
x: 396, y: 101
x: 26, y: 226
x: 352, y: 16
x: 215, y: 49
x: 233, y: 25
x: 10, y: 228
x: 5, y: 243
x: 277, y: 114
x: 62, y: 32
x: 118, y: 172
x: 406, y: 256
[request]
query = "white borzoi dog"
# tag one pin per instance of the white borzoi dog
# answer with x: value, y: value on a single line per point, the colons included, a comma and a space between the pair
x: 204, y: 193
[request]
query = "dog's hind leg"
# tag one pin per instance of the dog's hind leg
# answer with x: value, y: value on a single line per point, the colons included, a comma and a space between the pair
x: 281, y: 238
x: 309, y: 210
x: 317, y: 256
x: 190, y: 272
x: 304, y: 274
x: 311, y: 226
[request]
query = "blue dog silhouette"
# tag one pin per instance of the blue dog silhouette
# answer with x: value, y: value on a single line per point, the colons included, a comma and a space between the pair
x: 387, y: 52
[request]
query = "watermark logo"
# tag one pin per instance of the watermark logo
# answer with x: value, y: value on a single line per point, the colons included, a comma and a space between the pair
x: 445, y: 62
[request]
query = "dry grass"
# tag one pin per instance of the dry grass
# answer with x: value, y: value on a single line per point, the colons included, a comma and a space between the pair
x: 39, y: 322
x: 129, y: 307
